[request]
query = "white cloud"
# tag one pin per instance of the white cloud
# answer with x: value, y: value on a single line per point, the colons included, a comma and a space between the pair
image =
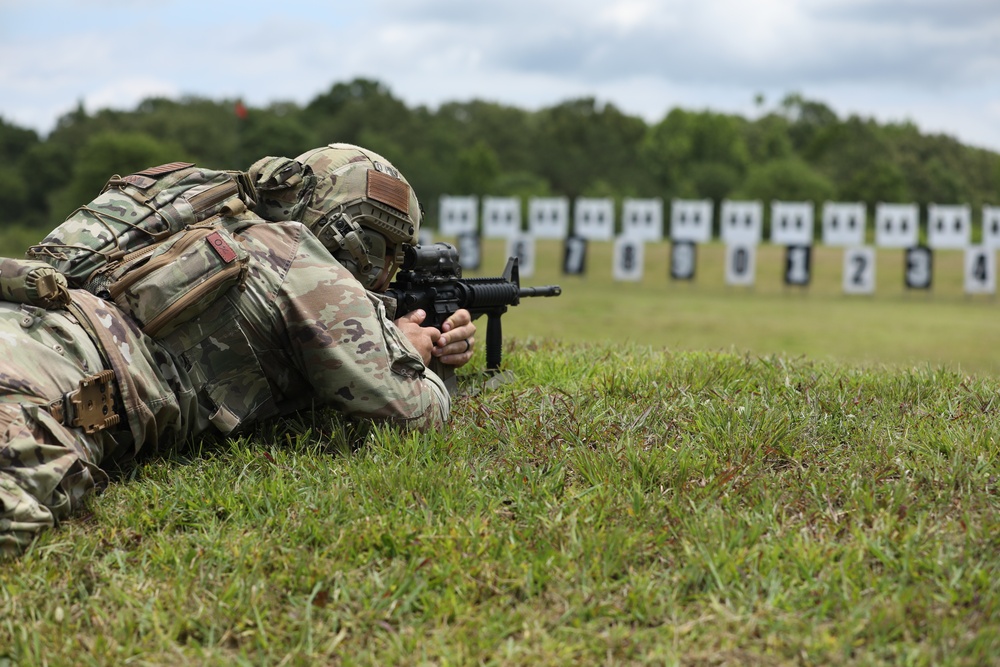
x: 935, y: 63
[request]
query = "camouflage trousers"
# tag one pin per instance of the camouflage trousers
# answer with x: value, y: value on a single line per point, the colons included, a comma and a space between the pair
x: 46, y: 468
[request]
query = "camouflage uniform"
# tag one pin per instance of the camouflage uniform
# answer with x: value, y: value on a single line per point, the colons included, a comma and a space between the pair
x: 301, y: 332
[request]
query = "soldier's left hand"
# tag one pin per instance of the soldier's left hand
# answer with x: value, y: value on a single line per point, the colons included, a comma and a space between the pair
x: 457, y: 344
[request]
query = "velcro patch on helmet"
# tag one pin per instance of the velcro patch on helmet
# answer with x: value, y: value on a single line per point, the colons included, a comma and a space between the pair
x: 389, y: 191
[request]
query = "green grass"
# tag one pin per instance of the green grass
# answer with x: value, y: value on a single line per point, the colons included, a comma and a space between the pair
x: 611, y: 505
x: 677, y: 474
x: 894, y: 326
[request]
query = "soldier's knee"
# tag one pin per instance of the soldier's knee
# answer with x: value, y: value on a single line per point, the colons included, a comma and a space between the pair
x: 22, y: 518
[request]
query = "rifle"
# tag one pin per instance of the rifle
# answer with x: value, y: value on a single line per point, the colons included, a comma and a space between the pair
x: 430, y: 277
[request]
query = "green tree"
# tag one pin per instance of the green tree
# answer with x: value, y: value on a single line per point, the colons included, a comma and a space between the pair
x: 808, y: 118
x: 791, y: 179
x: 476, y: 170
x: 107, y: 154
x: 696, y: 154
x: 580, y: 142
x: 14, y: 195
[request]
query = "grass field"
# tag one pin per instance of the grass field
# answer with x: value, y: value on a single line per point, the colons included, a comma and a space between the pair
x: 893, y: 326
x: 611, y: 505
x: 677, y: 474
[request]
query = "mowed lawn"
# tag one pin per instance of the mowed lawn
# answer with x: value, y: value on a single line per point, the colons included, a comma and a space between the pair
x: 629, y: 496
x: 894, y: 326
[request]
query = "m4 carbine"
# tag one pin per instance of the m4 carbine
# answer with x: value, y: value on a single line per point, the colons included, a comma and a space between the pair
x: 430, y: 278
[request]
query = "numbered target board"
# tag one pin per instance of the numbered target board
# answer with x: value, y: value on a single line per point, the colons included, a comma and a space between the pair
x: 628, y: 258
x: 548, y: 217
x: 991, y: 226
x: 594, y: 218
x: 522, y: 246
x: 741, y: 267
x: 844, y: 223
x: 980, y: 270
x: 458, y: 215
x: 949, y: 226
x: 575, y: 256
x: 683, y: 260
x: 859, y: 270
x: 501, y: 217
x: 470, y: 251
x: 792, y: 223
x: 798, y: 265
x: 643, y: 219
x: 919, y: 268
x: 691, y: 220
x: 741, y: 221
x: 896, y: 225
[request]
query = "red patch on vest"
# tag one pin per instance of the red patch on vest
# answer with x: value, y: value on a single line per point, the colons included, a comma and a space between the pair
x: 221, y: 248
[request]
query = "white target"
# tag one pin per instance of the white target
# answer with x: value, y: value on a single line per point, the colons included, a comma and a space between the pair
x: 792, y: 223
x: 741, y: 263
x: 896, y: 225
x: 548, y: 217
x: 844, y: 223
x: 741, y: 221
x: 991, y: 226
x: 949, y: 226
x: 919, y: 271
x: 470, y: 252
x: 628, y: 258
x: 594, y: 218
x: 683, y: 260
x: 575, y: 256
x: 859, y: 270
x: 522, y: 246
x: 458, y: 215
x: 643, y: 219
x: 501, y: 217
x: 980, y: 270
x: 798, y: 265
x: 691, y: 220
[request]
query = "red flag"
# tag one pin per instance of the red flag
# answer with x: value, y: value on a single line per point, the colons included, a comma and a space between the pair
x: 241, y: 111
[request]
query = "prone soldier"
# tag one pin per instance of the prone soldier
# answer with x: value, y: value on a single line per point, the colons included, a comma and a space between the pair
x: 101, y: 367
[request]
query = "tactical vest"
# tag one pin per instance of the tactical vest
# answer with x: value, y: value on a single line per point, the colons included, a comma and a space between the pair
x: 158, y: 242
x: 161, y: 244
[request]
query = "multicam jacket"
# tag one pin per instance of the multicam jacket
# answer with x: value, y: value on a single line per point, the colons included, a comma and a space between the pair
x: 302, y: 332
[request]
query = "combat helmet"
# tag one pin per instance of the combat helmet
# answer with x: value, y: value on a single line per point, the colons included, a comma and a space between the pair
x: 353, y: 199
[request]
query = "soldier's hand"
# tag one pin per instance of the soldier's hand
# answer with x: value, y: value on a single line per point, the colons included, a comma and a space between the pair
x: 422, y: 338
x: 456, y: 345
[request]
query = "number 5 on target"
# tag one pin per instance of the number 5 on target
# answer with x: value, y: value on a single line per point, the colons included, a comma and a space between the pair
x: 859, y: 271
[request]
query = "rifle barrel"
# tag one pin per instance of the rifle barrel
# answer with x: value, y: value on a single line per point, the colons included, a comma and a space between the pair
x: 548, y: 290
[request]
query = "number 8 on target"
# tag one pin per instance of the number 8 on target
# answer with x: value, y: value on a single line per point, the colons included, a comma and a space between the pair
x: 628, y: 258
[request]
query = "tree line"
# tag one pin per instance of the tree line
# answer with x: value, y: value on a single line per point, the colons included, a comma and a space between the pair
x: 798, y: 150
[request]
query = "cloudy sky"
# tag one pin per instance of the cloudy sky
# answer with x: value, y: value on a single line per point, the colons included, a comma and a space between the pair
x: 933, y: 62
